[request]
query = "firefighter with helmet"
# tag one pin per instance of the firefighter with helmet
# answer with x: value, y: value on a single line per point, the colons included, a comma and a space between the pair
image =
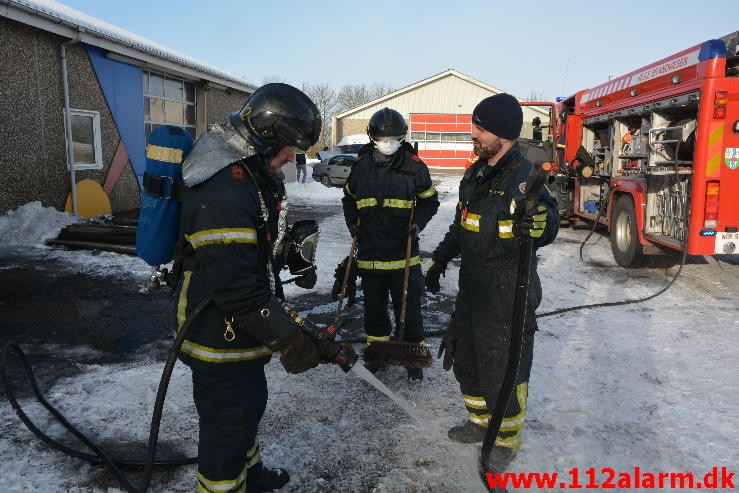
x: 230, y: 223
x: 387, y: 197
x: 485, y: 234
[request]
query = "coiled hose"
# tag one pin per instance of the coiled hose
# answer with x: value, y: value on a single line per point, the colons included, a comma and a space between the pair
x: 100, y: 456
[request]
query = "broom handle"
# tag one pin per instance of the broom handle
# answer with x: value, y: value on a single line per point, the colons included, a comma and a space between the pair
x: 352, y: 252
x: 406, y: 274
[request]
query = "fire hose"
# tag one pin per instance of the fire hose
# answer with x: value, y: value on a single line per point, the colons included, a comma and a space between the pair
x: 332, y: 352
x: 683, y: 259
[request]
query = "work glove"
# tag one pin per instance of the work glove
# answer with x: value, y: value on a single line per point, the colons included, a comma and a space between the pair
x: 307, y: 281
x: 413, y: 231
x: 436, y: 270
x: 300, y: 353
x: 354, y: 230
x: 448, y: 345
x: 530, y: 225
x: 351, y: 284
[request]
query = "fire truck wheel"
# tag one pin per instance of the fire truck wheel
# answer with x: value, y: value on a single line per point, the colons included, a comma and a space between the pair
x: 624, y: 236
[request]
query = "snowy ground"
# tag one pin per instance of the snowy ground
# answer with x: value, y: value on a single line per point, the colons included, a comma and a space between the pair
x: 652, y: 385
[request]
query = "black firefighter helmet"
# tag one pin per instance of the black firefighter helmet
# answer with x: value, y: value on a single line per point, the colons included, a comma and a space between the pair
x: 278, y: 115
x: 387, y: 123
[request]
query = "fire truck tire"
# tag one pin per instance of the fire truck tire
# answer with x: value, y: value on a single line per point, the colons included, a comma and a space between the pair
x: 624, y: 235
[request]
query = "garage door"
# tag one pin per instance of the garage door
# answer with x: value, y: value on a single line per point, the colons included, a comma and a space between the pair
x: 443, y: 139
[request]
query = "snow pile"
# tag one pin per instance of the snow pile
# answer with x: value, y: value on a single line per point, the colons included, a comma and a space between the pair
x: 313, y: 192
x: 32, y: 223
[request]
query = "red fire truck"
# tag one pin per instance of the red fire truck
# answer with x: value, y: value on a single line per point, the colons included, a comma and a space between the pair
x: 654, y: 155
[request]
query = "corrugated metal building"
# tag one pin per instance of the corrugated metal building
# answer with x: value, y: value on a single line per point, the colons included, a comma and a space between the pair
x: 438, y: 111
x: 119, y: 86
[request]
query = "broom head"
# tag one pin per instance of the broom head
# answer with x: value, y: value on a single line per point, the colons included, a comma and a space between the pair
x: 408, y: 354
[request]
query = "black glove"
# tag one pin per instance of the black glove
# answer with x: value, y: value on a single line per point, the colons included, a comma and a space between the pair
x: 436, y: 270
x: 414, y: 230
x: 530, y: 225
x: 351, y: 284
x: 307, y: 281
x: 300, y: 353
x: 354, y: 230
x: 449, y: 344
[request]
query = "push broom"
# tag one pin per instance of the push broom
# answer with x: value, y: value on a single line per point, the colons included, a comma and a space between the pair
x: 399, y: 352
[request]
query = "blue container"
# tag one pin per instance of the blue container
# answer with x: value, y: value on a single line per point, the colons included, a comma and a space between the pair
x: 591, y: 206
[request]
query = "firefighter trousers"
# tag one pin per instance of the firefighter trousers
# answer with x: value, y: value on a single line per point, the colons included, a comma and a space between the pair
x: 480, y: 376
x: 377, y: 286
x: 230, y: 400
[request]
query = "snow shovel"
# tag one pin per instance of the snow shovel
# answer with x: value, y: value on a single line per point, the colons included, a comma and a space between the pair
x: 534, y: 184
x: 399, y: 352
x: 347, y: 273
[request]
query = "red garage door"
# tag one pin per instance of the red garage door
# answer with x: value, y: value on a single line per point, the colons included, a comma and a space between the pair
x: 443, y: 139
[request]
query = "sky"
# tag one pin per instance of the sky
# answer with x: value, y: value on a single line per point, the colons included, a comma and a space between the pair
x: 551, y: 48
x: 642, y: 385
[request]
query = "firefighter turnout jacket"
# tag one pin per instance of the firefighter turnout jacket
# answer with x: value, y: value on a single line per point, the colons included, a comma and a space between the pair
x: 381, y: 196
x: 223, y: 223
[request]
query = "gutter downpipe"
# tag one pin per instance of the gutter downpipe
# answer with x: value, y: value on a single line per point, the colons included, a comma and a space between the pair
x: 68, y: 120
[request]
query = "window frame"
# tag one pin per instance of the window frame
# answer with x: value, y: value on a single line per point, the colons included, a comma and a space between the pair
x: 147, y: 97
x: 96, y: 137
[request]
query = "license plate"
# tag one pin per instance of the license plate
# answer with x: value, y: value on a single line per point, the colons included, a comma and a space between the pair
x: 727, y: 243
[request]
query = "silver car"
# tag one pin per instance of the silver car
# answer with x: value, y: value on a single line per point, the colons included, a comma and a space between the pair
x: 334, y: 171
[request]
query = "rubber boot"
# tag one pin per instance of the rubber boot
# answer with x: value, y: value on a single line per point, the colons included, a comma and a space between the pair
x: 261, y: 479
x: 415, y: 374
x: 500, y: 457
x: 467, y: 433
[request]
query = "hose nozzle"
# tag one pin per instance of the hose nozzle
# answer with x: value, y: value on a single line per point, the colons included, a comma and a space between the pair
x: 331, y: 351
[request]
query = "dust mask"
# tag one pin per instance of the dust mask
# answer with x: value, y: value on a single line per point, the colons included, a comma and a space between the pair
x: 388, y: 146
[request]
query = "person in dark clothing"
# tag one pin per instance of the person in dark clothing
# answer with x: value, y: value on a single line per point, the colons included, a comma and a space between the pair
x: 536, y: 122
x: 387, y: 197
x: 231, y: 224
x: 485, y: 233
x: 300, y: 166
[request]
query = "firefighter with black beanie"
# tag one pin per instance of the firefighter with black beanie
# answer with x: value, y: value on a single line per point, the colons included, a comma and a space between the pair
x: 485, y: 234
x: 231, y: 221
x: 387, y: 197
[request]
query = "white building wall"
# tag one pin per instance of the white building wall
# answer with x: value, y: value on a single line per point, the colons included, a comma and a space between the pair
x: 450, y: 94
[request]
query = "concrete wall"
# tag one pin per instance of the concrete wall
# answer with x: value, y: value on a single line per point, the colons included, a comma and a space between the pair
x: 351, y: 126
x: 219, y: 104
x: 32, y: 141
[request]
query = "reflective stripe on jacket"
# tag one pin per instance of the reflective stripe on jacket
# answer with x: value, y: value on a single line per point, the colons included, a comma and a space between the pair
x: 382, y: 196
x: 222, y: 221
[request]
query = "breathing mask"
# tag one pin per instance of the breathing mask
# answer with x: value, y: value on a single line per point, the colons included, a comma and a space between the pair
x: 388, y: 145
x: 301, y: 250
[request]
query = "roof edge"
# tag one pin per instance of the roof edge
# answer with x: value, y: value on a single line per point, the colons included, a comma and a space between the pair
x: 41, y: 19
x: 420, y: 83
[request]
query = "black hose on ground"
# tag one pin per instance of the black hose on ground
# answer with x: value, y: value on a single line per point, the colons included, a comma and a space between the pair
x: 595, y: 225
x: 100, y: 456
x: 683, y: 258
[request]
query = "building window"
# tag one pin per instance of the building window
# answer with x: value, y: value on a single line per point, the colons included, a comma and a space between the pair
x: 168, y: 100
x: 86, y: 148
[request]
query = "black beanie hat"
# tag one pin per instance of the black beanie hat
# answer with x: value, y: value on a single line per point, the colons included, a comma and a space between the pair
x: 501, y: 115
